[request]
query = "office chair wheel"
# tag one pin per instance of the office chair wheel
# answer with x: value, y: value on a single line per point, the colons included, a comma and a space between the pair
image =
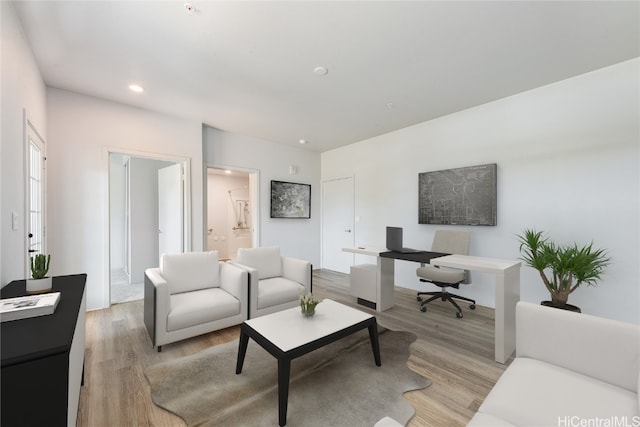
x: 423, y: 308
x: 458, y: 315
x: 418, y: 299
x: 472, y: 306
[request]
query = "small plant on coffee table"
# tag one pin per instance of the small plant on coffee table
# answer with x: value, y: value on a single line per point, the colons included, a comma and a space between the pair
x: 308, y: 304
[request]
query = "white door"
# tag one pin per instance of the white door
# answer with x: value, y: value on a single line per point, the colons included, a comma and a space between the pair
x: 35, y: 197
x: 170, y: 210
x: 337, y: 224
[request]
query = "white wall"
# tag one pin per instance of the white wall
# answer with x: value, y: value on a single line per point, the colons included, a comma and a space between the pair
x: 568, y: 164
x: 22, y: 89
x: 296, y: 237
x: 82, y: 129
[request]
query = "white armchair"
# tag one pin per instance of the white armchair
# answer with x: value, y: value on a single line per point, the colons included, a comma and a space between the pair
x: 192, y: 294
x: 275, y: 281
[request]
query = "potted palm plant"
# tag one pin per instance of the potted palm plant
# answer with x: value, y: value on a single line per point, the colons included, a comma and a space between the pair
x: 562, y: 268
x: 39, y: 268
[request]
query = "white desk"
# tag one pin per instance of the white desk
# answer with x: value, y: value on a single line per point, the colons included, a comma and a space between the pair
x: 507, y: 294
x: 384, y: 276
x: 507, y: 289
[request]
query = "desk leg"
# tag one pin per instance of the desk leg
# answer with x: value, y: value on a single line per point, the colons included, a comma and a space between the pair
x: 242, y: 350
x: 385, y: 284
x: 375, y: 344
x: 507, y: 296
x: 284, y: 369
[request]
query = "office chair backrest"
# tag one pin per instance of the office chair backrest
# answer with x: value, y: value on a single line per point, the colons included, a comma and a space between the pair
x: 451, y: 242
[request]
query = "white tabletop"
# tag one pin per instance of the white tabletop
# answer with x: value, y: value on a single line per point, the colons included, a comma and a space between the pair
x: 289, y: 329
x: 465, y: 262
x: 365, y: 250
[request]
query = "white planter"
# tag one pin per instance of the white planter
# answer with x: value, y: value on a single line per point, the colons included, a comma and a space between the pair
x: 37, y: 286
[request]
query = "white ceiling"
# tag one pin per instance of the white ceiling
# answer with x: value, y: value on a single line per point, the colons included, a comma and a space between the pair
x: 247, y: 67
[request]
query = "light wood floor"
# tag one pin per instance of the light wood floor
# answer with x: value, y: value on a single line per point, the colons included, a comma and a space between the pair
x: 455, y: 354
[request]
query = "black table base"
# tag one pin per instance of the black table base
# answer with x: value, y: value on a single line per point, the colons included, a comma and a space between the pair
x: 285, y: 357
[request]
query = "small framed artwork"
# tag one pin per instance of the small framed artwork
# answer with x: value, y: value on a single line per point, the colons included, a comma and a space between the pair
x: 290, y: 200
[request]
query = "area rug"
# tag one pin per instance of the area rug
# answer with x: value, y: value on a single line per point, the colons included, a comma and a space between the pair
x: 337, y: 385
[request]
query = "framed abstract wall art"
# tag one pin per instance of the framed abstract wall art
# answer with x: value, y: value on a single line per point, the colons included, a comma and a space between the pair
x: 290, y: 200
x: 461, y: 196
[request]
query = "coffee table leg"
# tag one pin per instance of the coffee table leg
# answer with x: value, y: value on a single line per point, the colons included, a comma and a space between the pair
x: 242, y: 351
x: 284, y: 369
x: 375, y: 344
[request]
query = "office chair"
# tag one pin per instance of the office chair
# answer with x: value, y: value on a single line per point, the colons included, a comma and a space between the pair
x: 451, y: 242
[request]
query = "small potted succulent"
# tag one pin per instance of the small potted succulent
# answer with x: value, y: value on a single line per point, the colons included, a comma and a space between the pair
x: 39, y: 282
x: 562, y: 268
x: 308, y: 304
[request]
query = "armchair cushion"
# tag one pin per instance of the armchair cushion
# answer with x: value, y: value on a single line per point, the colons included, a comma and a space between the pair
x: 278, y: 290
x: 570, y: 368
x: 536, y: 393
x: 190, y: 271
x: 585, y: 339
x: 198, y: 307
x: 266, y: 260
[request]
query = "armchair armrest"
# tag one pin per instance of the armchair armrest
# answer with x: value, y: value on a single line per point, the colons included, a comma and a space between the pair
x: 235, y: 280
x: 156, y: 303
x: 162, y: 289
x: 297, y: 270
x: 605, y: 349
x: 253, y: 282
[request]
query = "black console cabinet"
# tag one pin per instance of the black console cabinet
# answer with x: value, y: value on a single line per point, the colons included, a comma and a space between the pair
x: 43, y: 359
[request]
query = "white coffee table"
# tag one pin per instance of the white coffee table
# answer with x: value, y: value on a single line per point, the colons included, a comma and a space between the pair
x: 287, y: 335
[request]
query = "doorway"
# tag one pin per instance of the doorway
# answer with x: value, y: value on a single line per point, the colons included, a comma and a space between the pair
x: 337, y: 223
x: 139, y: 190
x: 232, y: 216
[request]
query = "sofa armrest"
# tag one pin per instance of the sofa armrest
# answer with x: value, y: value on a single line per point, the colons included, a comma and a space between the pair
x: 234, y: 280
x: 297, y: 270
x: 604, y: 349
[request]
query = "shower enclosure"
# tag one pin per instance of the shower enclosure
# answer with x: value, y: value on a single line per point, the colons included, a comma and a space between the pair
x: 229, y: 212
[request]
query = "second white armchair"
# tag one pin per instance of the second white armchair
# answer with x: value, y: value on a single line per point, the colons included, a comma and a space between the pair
x: 275, y: 281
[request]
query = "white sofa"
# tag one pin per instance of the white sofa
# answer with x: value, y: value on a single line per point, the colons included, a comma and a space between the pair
x: 275, y: 282
x: 192, y: 294
x: 570, y: 370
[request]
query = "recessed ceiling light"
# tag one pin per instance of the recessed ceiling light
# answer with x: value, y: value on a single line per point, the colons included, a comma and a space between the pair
x: 136, y: 88
x: 303, y: 141
x: 227, y: 171
x: 321, y: 71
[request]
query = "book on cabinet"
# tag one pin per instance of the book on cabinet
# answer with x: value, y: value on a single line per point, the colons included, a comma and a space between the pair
x: 28, y: 306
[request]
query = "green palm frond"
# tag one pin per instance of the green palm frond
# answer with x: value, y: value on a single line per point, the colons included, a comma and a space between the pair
x: 562, y: 268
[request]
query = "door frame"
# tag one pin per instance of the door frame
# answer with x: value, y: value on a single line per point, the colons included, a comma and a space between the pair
x: 186, y: 218
x: 254, y: 196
